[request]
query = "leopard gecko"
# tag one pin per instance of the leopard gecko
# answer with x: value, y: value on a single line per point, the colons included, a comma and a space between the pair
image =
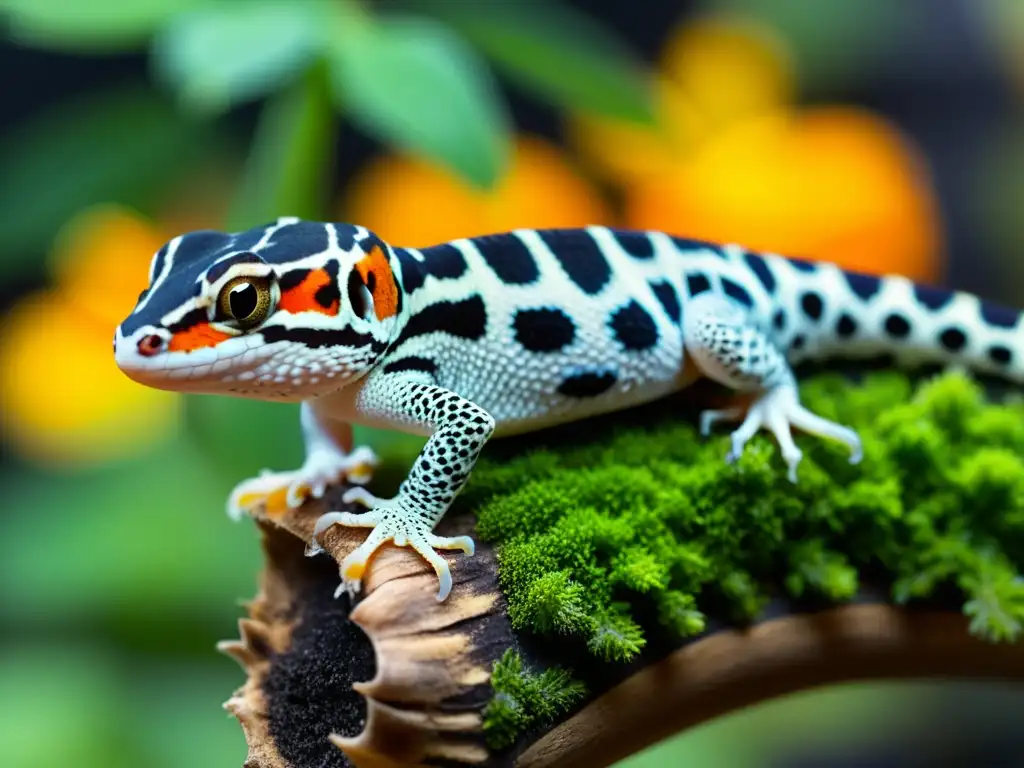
x: 508, y: 333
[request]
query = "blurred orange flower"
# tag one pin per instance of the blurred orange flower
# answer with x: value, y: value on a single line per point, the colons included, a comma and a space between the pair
x: 411, y: 202
x: 735, y: 160
x: 62, y: 398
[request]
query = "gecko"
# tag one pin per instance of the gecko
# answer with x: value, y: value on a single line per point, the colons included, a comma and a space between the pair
x: 508, y: 333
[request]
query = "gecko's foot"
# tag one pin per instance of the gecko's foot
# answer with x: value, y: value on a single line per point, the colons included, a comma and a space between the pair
x: 277, y: 492
x: 390, y: 520
x: 777, y: 411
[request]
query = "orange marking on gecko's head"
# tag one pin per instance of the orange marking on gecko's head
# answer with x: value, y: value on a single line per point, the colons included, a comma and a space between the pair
x: 380, y: 281
x: 317, y: 292
x: 197, y: 336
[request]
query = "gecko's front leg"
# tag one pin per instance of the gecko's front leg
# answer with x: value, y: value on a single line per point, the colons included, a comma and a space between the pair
x: 459, y: 429
x: 326, y: 462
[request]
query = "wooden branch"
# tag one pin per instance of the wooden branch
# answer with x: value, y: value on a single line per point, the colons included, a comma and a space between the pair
x: 730, y: 670
x: 401, y: 680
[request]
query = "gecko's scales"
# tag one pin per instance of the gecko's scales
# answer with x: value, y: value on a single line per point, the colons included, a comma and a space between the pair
x: 510, y: 333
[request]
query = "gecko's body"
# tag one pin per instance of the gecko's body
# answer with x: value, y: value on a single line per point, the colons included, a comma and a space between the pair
x: 510, y: 333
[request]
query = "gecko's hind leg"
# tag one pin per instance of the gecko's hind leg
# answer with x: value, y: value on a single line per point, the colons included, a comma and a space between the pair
x: 729, y: 347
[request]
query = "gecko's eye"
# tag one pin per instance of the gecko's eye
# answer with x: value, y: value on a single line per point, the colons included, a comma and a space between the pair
x: 244, y: 301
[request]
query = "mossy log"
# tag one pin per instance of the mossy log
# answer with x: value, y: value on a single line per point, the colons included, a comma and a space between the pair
x: 398, y: 679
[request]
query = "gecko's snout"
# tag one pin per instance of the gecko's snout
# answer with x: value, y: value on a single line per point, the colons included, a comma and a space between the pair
x: 135, y: 354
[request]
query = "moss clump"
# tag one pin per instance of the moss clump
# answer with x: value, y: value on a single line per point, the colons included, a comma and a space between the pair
x: 523, y: 699
x: 594, y: 532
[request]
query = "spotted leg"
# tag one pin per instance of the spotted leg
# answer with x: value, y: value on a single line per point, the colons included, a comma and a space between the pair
x: 729, y: 347
x: 326, y: 462
x: 458, y: 430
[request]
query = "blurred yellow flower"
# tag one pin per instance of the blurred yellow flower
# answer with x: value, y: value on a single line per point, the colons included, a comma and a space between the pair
x: 413, y: 203
x: 62, y: 397
x: 735, y: 160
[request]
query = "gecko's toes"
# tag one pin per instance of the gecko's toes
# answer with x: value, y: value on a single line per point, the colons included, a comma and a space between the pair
x: 444, y: 585
x: 709, y: 418
x: 360, y: 495
x: 268, y: 491
x: 462, y: 543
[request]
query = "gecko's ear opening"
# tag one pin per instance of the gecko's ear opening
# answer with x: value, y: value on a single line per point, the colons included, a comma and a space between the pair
x: 360, y: 295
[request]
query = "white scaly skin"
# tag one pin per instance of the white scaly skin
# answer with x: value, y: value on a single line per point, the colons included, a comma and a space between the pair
x: 510, y: 333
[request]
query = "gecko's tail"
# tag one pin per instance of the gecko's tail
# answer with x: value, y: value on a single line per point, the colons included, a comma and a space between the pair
x: 827, y: 312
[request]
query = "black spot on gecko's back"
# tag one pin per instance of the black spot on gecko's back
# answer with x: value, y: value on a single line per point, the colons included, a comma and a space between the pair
x: 864, y: 287
x: 413, y: 272
x: 445, y: 262
x: 669, y: 299
x: 295, y: 241
x: 897, y: 326
x: 466, y: 319
x: 587, y: 383
x: 803, y: 265
x: 999, y: 316
x: 637, y: 244
x: 953, y: 339
x: 760, y: 268
x: 1000, y: 354
x: 580, y: 257
x: 736, y: 291
x: 932, y: 298
x: 697, y: 283
x: 509, y: 258
x: 812, y: 304
x: 687, y: 244
x: 846, y: 326
x: 633, y: 327
x: 544, y: 329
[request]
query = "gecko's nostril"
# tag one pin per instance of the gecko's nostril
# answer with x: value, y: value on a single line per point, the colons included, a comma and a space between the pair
x: 150, y: 345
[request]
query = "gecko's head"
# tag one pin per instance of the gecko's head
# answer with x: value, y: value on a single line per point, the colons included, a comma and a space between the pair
x: 288, y: 311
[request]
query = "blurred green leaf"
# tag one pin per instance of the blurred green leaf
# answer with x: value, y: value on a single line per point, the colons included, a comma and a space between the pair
x: 75, y: 25
x: 125, y: 545
x: 222, y: 54
x: 561, y: 54
x: 414, y: 83
x: 176, y: 714
x: 239, y: 437
x: 60, y: 704
x: 119, y: 146
x: 289, y: 166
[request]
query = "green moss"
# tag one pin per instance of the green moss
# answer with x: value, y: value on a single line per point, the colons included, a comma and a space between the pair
x: 594, y: 530
x: 525, y: 699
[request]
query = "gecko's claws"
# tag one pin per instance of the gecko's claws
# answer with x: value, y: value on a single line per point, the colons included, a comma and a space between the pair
x: 277, y: 492
x: 390, y: 520
x: 778, y: 411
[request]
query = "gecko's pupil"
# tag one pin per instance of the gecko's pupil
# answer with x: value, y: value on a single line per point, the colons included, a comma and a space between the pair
x: 243, y: 301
